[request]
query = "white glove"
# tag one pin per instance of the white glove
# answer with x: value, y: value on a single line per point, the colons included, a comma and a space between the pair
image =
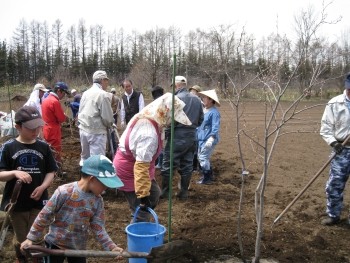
x: 209, y: 142
x: 122, y: 124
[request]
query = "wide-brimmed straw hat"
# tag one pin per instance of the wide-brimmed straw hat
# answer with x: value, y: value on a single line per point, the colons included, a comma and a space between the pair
x: 211, y: 94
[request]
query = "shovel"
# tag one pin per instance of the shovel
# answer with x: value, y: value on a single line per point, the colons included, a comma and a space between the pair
x: 158, y: 254
x: 10, y: 206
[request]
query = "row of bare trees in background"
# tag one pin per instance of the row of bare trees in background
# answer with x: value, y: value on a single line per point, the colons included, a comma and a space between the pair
x: 206, y: 57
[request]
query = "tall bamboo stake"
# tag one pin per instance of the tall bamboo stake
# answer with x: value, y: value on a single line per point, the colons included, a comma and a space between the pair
x: 171, y: 151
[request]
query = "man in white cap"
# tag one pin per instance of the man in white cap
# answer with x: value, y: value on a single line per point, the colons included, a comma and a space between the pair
x: 95, y: 117
x: 184, y: 141
x: 208, y: 134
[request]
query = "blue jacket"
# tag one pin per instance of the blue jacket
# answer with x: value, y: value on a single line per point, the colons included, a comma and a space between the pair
x: 209, y: 127
x: 193, y: 108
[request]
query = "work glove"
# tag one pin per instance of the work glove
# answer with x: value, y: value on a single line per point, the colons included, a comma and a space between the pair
x: 122, y: 125
x: 209, y: 143
x: 145, y: 203
x: 337, y: 147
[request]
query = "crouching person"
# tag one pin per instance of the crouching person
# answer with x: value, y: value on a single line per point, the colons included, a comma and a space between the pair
x: 75, y: 208
x: 139, y: 147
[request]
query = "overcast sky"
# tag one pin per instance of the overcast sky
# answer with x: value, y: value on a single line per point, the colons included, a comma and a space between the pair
x: 259, y: 17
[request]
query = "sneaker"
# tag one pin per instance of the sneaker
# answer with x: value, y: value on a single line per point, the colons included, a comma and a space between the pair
x: 329, y: 221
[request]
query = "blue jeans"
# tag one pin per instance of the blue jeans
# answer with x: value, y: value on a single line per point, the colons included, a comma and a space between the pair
x: 204, y: 155
x: 338, y: 176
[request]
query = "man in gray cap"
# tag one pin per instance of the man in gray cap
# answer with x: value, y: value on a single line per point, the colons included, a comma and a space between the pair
x: 95, y: 117
x: 184, y: 141
x: 335, y: 128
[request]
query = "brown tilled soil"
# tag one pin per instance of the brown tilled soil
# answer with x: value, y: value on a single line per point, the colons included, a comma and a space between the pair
x: 208, y: 219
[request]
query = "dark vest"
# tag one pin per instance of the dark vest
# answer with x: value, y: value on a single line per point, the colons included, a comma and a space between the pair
x: 131, y: 107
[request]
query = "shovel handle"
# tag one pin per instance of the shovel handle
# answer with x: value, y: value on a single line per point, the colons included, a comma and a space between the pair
x: 8, y: 209
x: 40, y: 251
x: 16, y: 190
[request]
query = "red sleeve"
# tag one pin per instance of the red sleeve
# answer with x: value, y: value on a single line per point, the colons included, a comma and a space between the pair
x: 59, y: 112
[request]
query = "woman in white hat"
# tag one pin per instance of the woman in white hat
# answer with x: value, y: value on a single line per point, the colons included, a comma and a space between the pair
x: 208, y: 134
x: 35, y: 97
x: 139, y: 147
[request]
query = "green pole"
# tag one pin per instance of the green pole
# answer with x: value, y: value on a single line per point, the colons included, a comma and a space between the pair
x: 171, y: 151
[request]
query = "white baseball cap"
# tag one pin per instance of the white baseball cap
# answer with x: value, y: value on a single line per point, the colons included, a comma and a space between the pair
x: 99, y: 74
x: 180, y: 79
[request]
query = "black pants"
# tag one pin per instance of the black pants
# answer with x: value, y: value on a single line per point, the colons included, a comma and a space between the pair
x: 60, y: 259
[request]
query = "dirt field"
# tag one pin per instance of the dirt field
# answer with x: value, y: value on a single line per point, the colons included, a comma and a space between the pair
x: 209, y: 217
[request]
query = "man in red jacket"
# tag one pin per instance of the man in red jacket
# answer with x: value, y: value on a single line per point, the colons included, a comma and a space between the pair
x: 53, y: 115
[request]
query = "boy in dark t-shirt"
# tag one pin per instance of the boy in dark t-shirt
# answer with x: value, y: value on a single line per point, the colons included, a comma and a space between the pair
x: 29, y: 159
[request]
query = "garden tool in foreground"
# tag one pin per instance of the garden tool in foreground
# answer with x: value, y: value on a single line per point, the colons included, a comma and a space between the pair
x: 158, y: 254
x: 8, y: 209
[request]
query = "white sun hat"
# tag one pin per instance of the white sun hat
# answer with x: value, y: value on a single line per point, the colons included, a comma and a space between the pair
x: 211, y: 94
x: 40, y: 86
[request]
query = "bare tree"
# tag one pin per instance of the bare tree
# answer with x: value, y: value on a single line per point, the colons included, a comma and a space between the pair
x: 307, y: 25
x: 82, y: 36
x: 22, y: 51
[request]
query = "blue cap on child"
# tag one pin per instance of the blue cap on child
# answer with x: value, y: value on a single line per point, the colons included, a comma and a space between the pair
x: 102, y: 168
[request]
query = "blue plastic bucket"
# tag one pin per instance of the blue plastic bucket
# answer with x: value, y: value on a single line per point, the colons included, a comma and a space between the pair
x: 143, y: 236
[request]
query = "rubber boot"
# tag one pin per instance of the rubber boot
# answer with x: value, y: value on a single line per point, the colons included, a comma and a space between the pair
x: 207, y: 177
x: 195, y: 163
x: 185, y: 183
x: 212, y: 176
x: 165, y: 187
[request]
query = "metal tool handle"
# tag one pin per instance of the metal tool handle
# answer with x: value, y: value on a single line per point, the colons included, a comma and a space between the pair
x: 40, y: 251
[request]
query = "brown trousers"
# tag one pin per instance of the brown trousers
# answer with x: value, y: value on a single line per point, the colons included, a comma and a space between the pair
x: 21, y: 224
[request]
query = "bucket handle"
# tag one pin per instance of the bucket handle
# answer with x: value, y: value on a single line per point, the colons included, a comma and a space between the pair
x: 152, y: 213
